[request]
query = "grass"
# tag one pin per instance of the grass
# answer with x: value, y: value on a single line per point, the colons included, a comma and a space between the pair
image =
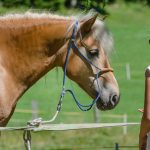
x: 93, y: 139
x: 130, y: 27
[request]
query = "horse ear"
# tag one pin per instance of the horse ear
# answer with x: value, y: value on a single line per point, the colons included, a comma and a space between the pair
x: 86, y: 25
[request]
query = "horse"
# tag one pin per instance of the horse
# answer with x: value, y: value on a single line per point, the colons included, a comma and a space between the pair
x: 32, y: 44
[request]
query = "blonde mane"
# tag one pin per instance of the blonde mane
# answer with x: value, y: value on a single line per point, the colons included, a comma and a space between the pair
x: 100, y: 32
x: 32, y: 15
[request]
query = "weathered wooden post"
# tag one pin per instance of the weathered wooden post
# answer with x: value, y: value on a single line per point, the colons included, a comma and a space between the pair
x: 128, y: 71
x: 34, y: 110
x: 125, y: 127
x: 96, y: 113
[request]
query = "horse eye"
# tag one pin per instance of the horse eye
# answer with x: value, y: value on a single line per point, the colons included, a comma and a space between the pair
x: 94, y: 52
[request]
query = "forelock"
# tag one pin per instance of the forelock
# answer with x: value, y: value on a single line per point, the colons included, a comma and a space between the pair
x: 102, y: 35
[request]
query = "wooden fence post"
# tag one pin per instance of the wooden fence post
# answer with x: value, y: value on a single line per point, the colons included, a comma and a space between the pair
x: 128, y: 71
x: 96, y: 113
x: 34, y: 110
x: 125, y: 127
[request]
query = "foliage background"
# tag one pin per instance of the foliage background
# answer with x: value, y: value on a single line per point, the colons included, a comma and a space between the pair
x: 58, y: 4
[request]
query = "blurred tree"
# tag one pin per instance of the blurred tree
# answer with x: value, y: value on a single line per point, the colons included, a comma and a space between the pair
x: 9, y: 3
x: 48, y: 4
x: 98, y: 5
x: 71, y: 3
x: 32, y: 3
x: 147, y: 2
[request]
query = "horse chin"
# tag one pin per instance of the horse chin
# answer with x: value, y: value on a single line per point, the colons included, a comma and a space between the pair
x: 103, y: 106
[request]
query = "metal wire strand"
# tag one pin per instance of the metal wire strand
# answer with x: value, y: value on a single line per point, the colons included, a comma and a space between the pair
x: 27, y: 139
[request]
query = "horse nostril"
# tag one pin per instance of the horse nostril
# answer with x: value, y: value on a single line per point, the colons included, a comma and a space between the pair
x: 114, y: 100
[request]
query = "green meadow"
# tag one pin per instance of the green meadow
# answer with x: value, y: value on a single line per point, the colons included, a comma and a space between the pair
x: 130, y: 26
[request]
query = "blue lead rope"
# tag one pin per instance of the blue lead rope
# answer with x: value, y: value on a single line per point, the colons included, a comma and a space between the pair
x: 71, y: 45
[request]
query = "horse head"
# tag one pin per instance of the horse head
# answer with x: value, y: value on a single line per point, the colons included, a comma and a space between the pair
x: 88, y: 63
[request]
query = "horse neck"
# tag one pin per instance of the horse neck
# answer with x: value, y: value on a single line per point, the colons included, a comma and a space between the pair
x: 32, y: 51
x: 26, y: 54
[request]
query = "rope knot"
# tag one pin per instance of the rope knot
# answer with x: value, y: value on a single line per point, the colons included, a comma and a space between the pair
x: 35, y: 122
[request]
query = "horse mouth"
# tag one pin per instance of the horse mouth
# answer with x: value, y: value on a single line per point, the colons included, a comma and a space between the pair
x: 104, y: 106
x: 101, y: 105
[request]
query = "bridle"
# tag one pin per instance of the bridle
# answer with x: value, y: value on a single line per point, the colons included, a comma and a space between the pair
x: 101, y: 71
x: 72, y: 44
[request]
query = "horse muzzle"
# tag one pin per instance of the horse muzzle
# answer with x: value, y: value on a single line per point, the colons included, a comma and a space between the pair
x: 108, y: 105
